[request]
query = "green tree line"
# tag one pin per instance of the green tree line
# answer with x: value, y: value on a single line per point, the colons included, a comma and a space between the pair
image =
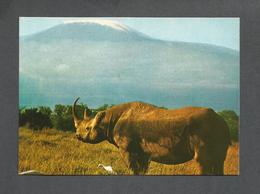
x: 61, y: 117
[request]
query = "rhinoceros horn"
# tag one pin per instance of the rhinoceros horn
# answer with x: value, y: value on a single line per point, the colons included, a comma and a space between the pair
x: 85, y: 114
x: 76, y: 120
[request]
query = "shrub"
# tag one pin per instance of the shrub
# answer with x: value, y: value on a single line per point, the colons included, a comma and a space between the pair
x: 62, y: 116
x: 35, y: 118
x: 232, y: 120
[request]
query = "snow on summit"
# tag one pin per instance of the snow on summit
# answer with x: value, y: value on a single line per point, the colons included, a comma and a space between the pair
x: 109, y: 23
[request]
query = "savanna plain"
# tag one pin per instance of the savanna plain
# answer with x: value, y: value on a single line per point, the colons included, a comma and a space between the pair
x: 55, y: 152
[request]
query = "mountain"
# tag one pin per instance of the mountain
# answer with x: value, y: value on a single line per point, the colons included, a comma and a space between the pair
x: 89, y: 30
x: 107, y: 62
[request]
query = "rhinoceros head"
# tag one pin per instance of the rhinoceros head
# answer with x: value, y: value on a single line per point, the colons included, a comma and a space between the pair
x: 89, y: 129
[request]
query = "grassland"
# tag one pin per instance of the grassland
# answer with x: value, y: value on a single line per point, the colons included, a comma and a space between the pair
x: 54, y: 152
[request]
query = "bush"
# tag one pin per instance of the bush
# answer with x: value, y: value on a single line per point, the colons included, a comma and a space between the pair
x: 43, y: 117
x: 35, y: 118
x: 232, y: 120
x: 62, y: 118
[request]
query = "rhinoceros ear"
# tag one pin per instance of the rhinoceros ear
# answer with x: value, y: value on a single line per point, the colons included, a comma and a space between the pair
x: 86, y: 114
x: 99, y: 116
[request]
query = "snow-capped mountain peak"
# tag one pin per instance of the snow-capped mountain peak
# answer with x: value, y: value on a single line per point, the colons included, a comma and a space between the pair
x: 89, y: 30
x: 109, y: 23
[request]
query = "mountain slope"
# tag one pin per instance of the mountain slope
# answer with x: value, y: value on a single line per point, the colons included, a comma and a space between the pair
x: 103, y: 64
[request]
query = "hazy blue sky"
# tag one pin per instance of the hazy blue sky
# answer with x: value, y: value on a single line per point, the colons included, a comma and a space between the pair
x: 217, y: 31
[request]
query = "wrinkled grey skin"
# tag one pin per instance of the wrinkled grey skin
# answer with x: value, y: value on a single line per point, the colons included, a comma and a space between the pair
x: 145, y: 133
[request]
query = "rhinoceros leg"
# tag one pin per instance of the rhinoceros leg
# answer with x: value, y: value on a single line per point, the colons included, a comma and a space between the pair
x: 136, y: 162
x: 218, y: 168
x: 125, y: 155
x: 134, y: 156
x: 211, y: 163
x: 205, y: 161
x: 212, y: 168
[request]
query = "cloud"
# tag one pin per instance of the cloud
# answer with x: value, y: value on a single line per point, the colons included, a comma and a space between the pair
x: 61, y: 68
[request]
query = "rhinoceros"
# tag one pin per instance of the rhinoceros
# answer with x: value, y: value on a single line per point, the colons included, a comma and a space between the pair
x: 143, y: 132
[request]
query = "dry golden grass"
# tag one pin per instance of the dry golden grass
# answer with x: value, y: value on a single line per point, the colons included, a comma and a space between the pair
x: 55, y: 152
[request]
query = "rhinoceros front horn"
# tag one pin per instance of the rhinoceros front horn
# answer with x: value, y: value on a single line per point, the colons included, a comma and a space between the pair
x: 76, y: 120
